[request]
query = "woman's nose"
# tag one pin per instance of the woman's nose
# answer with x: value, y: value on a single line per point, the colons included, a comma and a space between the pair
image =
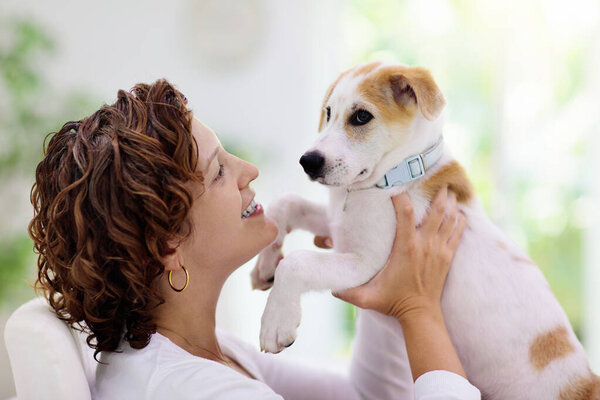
x: 249, y: 172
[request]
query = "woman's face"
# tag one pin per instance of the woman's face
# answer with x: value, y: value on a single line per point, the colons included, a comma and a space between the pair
x: 220, y: 237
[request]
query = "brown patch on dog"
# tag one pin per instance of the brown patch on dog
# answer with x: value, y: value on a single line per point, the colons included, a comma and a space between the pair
x: 454, y: 176
x: 397, y: 91
x: 549, y: 346
x: 376, y: 90
x: 322, y: 119
x: 365, y: 69
x: 502, y: 245
x: 587, y: 388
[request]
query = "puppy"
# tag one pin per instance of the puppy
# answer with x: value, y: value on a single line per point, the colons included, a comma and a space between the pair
x: 381, y: 134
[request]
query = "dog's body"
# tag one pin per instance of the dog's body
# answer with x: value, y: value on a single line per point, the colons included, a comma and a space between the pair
x: 512, y: 337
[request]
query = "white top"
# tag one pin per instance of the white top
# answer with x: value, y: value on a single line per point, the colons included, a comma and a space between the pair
x: 163, y: 370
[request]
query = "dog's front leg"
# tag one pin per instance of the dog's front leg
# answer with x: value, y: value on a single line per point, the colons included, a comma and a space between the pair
x: 302, y: 271
x: 289, y: 212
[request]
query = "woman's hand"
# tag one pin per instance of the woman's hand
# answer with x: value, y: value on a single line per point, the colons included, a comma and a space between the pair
x: 413, y: 278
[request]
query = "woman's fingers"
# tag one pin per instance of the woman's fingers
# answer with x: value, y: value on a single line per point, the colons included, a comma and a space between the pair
x: 405, y: 218
x: 461, y: 223
x: 355, y: 296
x: 449, y: 219
x: 324, y: 242
x: 433, y: 219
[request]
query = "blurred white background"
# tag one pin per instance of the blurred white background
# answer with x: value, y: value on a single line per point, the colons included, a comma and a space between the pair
x: 520, y: 78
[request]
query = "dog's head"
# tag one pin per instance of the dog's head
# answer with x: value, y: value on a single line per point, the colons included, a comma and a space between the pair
x: 367, y: 112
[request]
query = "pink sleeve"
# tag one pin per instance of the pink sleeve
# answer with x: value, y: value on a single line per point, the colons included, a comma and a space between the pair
x: 296, y: 382
x: 380, y: 368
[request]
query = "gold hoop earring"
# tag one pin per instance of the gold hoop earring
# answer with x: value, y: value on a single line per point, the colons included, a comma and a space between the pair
x: 187, y: 280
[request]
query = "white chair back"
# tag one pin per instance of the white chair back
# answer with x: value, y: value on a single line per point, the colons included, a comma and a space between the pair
x: 48, y: 359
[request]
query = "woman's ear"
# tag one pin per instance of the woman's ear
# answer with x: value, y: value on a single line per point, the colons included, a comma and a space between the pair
x: 173, y: 261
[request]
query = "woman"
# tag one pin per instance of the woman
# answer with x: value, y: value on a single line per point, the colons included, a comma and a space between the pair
x: 138, y: 223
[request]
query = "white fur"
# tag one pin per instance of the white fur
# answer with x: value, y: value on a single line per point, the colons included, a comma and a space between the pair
x: 494, y: 305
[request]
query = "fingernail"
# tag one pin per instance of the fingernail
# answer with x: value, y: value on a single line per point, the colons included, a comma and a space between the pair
x: 328, y: 242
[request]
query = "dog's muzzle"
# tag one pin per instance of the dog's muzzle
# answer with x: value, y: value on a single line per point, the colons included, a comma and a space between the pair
x: 313, y: 163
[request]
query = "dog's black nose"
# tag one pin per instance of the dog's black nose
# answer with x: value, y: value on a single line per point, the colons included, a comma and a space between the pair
x: 313, y: 163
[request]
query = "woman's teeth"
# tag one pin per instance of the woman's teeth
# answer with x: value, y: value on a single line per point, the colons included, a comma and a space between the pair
x: 248, y: 211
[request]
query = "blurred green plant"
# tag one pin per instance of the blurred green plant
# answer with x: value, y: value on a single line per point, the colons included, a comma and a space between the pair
x: 15, y: 258
x: 19, y: 120
x: 29, y: 109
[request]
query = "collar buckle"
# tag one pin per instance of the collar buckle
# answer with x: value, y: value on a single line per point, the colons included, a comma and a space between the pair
x: 415, y: 166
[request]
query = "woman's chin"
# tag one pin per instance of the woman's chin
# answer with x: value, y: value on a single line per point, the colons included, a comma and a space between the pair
x: 255, y: 242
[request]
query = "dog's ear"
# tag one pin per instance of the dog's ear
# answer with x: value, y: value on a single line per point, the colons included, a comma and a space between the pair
x: 415, y: 85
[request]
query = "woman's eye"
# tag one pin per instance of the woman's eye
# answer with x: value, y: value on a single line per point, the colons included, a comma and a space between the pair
x: 221, y: 172
x: 360, y: 117
x: 328, y: 109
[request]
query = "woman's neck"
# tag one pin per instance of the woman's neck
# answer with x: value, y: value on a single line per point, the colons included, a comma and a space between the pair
x: 188, y: 318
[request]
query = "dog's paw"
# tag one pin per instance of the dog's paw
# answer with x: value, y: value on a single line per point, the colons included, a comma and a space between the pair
x: 279, y: 324
x: 263, y: 273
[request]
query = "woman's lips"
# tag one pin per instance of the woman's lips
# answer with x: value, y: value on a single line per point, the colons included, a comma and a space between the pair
x: 258, y: 210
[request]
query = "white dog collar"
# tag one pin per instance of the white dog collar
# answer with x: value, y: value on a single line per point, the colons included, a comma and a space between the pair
x: 412, y: 167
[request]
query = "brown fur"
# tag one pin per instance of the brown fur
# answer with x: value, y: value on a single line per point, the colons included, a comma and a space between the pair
x: 549, y: 346
x: 452, y: 175
x: 587, y: 388
x: 376, y: 90
x: 406, y: 87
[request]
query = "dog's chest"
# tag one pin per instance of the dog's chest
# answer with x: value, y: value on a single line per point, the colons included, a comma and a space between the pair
x: 362, y: 222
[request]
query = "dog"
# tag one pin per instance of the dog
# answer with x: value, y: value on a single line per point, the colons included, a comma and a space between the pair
x: 380, y: 135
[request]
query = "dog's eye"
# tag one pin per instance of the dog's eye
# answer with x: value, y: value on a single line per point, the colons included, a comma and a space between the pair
x: 360, y: 117
x: 328, y: 110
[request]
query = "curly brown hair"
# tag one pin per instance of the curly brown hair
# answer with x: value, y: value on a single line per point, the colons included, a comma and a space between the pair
x: 108, y: 196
